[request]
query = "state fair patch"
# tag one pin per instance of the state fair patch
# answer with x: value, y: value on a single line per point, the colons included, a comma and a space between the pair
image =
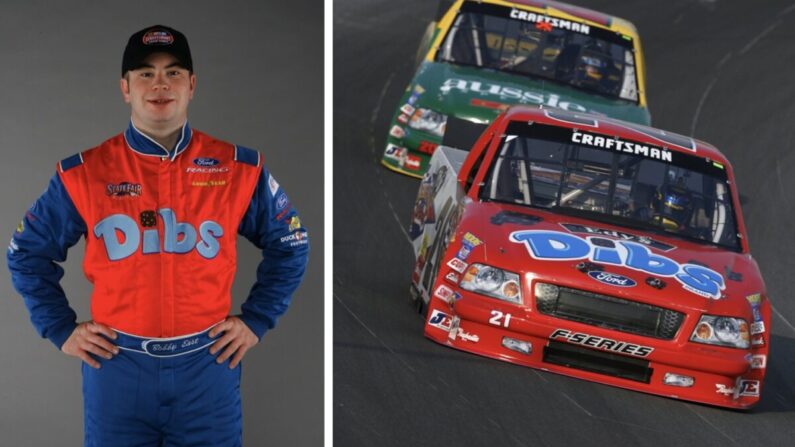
x: 272, y: 184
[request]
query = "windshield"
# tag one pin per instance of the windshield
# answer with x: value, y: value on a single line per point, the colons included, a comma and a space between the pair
x: 534, y: 45
x: 615, y: 181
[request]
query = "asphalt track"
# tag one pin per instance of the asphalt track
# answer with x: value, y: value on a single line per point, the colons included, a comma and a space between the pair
x: 720, y: 71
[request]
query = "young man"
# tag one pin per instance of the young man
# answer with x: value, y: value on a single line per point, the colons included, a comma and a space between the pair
x: 160, y: 206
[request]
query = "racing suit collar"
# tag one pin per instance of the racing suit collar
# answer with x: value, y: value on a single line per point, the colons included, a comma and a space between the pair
x: 145, y: 145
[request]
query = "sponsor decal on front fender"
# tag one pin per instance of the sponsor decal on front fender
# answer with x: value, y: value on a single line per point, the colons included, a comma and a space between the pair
x: 558, y: 246
x: 453, y: 278
x: 412, y: 162
x: 726, y: 390
x: 396, y: 153
x: 749, y: 388
x: 440, y: 320
x: 758, y: 325
x: 397, y: 132
x: 457, y: 265
x: 601, y: 343
x: 467, y: 336
x: 444, y: 293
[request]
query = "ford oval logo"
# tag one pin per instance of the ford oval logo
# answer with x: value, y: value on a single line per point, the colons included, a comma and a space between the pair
x: 205, y: 161
x: 611, y: 279
x: 281, y: 202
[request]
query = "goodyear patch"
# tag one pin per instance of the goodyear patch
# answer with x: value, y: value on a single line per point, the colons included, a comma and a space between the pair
x: 210, y: 183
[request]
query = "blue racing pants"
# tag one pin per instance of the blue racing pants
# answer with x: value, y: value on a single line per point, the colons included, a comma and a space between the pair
x: 162, y: 393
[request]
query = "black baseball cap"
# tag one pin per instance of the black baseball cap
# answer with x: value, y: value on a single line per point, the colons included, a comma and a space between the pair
x: 156, y: 39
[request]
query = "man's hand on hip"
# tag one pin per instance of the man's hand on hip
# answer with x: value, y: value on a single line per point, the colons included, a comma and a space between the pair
x: 237, y: 339
x: 86, y: 339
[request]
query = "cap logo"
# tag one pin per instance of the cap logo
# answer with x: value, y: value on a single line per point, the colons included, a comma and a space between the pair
x: 158, y: 38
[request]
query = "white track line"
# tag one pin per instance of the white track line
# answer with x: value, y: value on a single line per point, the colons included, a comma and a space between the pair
x: 759, y: 37
x: 700, y: 105
x: 782, y: 317
x: 367, y: 328
x: 378, y: 168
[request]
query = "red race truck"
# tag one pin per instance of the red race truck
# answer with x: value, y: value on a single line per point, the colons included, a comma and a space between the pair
x: 595, y: 248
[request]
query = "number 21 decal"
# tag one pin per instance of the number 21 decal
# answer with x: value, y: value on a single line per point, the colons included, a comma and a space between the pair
x: 500, y: 319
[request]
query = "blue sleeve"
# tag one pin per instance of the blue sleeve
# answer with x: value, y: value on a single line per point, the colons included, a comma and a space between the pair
x: 49, y: 228
x: 272, y: 225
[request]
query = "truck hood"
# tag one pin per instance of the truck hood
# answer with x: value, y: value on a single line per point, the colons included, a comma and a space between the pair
x: 565, y: 250
x: 479, y: 95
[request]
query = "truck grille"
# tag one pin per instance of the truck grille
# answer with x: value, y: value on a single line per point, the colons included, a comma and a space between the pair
x: 613, y: 313
x: 596, y: 361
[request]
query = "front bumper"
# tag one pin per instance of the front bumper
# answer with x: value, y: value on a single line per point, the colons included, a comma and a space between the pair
x: 721, y: 376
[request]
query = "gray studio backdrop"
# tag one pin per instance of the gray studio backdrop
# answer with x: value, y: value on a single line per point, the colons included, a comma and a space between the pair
x: 259, y: 66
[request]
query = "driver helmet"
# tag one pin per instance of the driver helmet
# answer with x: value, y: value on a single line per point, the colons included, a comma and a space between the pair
x: 673, y: 206
x: 594, y: 60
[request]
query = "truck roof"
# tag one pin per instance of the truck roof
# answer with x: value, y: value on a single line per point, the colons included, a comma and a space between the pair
x: 577, y: 11
x: 615, y: 128
x: 559, y: 8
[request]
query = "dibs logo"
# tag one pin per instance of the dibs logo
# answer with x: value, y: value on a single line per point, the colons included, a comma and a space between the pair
x: 179, y: 237
x: 557, y: 246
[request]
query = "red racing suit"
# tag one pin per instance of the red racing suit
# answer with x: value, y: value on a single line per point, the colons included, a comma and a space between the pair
x: 161, y: 231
